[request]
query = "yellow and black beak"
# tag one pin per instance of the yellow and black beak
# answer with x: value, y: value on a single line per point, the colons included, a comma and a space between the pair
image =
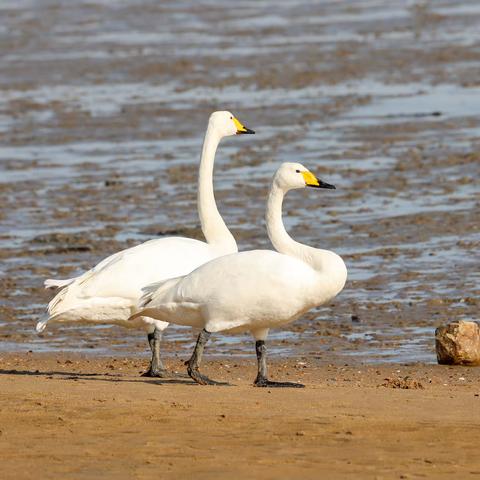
x: 312, y: 181
x: 241, y: 129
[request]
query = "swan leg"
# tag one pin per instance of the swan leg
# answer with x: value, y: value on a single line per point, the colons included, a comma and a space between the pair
x: 157, y: 368
x: 262, y: 380
x: 196, y: 358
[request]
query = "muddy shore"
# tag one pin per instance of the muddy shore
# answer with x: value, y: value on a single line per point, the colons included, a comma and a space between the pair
x: 102, y: 113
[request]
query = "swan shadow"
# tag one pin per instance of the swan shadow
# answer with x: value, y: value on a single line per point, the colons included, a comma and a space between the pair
x: 151, y: 381
x: 38, y: 373
x: 119, y: 379
x: 99, y: 377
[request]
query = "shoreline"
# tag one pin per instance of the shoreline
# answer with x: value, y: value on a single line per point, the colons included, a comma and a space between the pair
x: 71, y: 416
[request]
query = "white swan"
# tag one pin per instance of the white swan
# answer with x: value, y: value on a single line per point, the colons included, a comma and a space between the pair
x: 254, y: 290
x: 109, y: 291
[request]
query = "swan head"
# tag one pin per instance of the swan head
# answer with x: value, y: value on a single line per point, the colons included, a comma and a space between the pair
x: 226, y: 124
x: 294, y: 175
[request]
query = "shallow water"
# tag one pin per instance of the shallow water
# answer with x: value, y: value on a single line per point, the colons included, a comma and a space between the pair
x: 103, y: 108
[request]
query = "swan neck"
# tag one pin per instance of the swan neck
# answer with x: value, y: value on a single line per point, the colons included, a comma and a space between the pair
x: 328, y: 264
x: 213, y: 227
x: 280, y: 238
x: 277, y: 233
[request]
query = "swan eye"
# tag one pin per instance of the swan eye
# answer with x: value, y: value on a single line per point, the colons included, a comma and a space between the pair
x: 297, y: 171
x: 231, y: 118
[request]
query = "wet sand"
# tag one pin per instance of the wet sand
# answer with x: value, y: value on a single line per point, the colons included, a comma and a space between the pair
x: 73, y: 417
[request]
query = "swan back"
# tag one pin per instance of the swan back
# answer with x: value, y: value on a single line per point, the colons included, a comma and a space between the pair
x: 253, y: 289
x: 126, y: 272
x: 256, y: 289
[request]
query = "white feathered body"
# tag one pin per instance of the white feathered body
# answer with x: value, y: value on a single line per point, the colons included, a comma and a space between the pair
x: 109, y: 292
x: 244, y: 291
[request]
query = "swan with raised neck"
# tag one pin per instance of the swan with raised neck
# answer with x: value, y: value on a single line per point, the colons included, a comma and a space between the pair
x: 213, y: 226
x: 252, y: 290
x: 325, y: 262
x: 108, y: 292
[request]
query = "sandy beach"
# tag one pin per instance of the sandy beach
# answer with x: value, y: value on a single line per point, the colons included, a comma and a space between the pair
x: 72, y: 417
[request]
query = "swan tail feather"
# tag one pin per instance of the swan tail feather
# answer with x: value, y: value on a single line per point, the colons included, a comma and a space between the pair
x: 41, y: 325
x: 68, y: 293
x: 155, y: 290
x: 54, y: 304
x: 51, y: 283
x: 148, y: 294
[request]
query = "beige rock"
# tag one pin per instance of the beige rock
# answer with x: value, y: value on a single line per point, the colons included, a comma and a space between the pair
x: 458, y: 343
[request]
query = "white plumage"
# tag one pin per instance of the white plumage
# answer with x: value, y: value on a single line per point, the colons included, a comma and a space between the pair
x: 109, y: 291
x: 56, y: 283
x: 255, y: 290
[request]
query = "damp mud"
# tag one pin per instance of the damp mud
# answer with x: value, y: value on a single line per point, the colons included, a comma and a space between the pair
x: 103, y: 108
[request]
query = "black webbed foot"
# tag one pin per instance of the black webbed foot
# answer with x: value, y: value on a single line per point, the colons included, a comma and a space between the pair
x: 163, y: 373
x: 264, y: 382
x: 202, y: 379
x: 157, y: 373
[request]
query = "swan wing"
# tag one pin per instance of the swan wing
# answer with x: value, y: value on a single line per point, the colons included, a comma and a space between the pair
x: 118, y: 280
x: 162, y: 299
x: 237, y: 289
x: 51, y: 283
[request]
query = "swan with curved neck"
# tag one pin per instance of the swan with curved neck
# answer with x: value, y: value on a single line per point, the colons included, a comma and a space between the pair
x: 213, y: 227
x: 109, y: 291
x: 254, y: 290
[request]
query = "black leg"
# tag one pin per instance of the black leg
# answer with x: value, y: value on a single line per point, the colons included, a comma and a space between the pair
x: 196, y: 358
x: 261, y: 380
x: 156, y: 366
